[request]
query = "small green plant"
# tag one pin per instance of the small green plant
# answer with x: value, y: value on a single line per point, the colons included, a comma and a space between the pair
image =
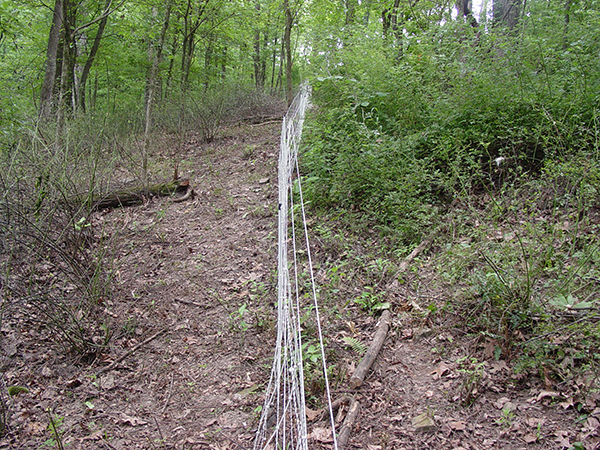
x: 507, y: 418
x: 371, y: 301
x: 237, y: 320
x: 248, y: 152
x: 311, y: 353
x: 82, y: 224
x: 472, y: 371
x: 54, y: 427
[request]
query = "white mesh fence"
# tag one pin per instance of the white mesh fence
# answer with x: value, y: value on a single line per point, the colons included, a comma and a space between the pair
x: 283, y: 420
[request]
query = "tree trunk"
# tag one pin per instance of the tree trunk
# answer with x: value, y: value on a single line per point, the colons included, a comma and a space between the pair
x: 507, y: 12
x: 349, y: 10
x: 273, y: 67
x: 92, y: 55
x: 51, y: 59
x: 259, y: 80
x: 174, y: 48
x: 465, y: 9
x: 287, y: 38
x: 189, y: 37
x: 392, y: 26
x: 67, y: 76
x: 151, y: 87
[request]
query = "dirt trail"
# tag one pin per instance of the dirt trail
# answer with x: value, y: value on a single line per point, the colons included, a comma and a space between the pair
x: 188, y: 269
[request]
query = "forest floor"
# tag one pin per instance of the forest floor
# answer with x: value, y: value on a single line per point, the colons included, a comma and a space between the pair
x: 193, y: 311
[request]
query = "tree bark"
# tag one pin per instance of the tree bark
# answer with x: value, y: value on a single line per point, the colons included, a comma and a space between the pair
x: 507, y: 12
x: 259, y: 78
x: 189, y: 39
x: 135, y: 196
x: 390, y: 22
x: 350, y: 11
x: 52, y: 53
x: 365, y: 364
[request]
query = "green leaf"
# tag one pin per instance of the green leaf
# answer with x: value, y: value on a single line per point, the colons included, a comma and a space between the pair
x: 16, y: 390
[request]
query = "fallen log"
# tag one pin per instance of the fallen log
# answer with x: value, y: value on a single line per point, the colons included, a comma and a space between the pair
x: 136, y: 195
x: 359, y: 374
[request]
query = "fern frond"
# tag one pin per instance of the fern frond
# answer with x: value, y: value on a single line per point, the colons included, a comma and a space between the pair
x: 356, y: 345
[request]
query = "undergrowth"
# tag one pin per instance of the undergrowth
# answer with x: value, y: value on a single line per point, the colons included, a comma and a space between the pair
x: 494, y: 157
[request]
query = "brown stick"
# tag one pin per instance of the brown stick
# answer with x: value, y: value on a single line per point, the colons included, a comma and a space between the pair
x: 188, y: 302
x: 359, y: 374
x: 128, y: 352
x: 404, y: 264
x: 346, y: 429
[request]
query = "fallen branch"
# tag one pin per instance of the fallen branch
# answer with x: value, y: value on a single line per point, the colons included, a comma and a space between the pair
x: 404, y: 264
x: 128, y: 352
x: 344, y: 434
x: 168, y: 396
x: 359, y: 374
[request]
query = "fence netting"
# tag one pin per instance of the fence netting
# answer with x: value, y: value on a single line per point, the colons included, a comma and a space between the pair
x: 283, y: 419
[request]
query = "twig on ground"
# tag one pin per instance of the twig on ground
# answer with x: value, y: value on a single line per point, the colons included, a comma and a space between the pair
x: 129, y: 352
x: 187, y: 302
x: 107, y: 444
x: 168, y: 396
x: 162, y: 439
x: 359, y: 374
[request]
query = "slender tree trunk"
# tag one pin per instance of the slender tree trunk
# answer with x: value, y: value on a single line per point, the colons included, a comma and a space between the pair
x: 273, y: 67
x: 151, y: 87
x: 287, y: 38
x: 256, y: 57
x: 66, y: 96
x: 391, y: 25
x: 209, y: 60
x: 69, y: 55
x: 465, y: 9
x: 94, y: 92
x: 350, y: 10
x: 92, y: 55
x: 52, y: 54
x: 174, y: 47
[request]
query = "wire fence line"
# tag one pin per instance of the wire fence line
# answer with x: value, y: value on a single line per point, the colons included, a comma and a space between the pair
x: 283, y: 419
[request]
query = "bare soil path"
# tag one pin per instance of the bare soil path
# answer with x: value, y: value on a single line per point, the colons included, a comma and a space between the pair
x: 193, y: 314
